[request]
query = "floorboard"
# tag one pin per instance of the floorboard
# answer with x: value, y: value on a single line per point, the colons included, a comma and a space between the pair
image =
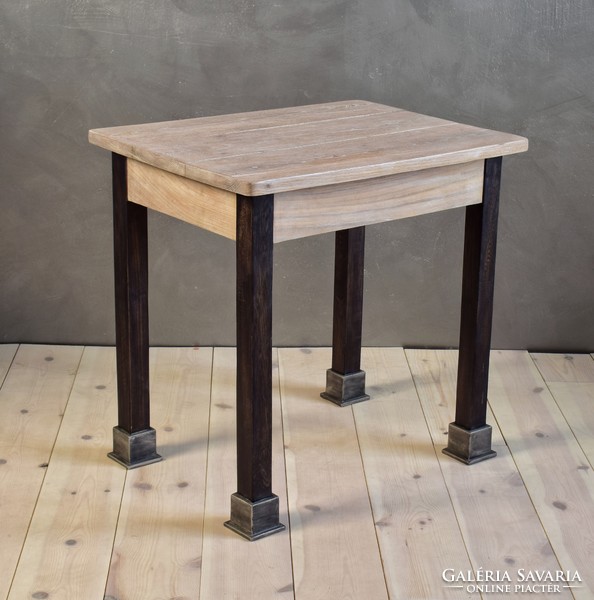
x: 500, y: 526
x: 7, y: 353
x: 333, y: 540
x: 570, y: 378
x: 33, y: 399
x: 158, y: 546
x: 374, y: 510
x: 549, y: 460
x: 71, y: 534
x: 232, y: 566
x: 416, y: 526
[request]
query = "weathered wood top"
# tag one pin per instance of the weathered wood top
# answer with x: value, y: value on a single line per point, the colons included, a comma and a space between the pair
x: 287, y: 149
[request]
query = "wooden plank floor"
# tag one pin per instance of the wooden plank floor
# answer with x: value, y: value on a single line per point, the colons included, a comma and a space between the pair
x: 374, y: 510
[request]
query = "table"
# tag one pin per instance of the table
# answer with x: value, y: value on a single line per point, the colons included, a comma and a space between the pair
x: 264, y: 177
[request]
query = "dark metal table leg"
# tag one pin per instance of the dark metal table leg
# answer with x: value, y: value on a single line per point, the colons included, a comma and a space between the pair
x: 469, y: 438
x: 254, y: 508
x: 134, y: 441
x: 345, y: 381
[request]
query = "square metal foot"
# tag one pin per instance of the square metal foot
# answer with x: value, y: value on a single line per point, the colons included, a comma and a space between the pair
x: 345, y: 389
x: 133, y: 450
x: 254, y: 520
x: 469, y: 445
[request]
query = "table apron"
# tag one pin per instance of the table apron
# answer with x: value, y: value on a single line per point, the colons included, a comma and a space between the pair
x: 306, y: 212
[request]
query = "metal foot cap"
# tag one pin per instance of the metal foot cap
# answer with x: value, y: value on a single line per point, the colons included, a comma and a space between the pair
x: 469, y: 445
x: 344, y: 390
x: 133, y: 450
x: 254, y: 520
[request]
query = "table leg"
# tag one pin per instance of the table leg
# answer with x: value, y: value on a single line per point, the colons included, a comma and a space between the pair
x: 345, y: 381
x: 254, y: 508
x: 469, y: 438
x: 134, y: 441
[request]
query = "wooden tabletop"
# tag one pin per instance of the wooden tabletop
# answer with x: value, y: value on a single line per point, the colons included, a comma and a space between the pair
x: 288, y: 149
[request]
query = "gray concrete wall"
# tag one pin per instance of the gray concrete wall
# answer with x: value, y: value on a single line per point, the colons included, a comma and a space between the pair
x: 70, y: 65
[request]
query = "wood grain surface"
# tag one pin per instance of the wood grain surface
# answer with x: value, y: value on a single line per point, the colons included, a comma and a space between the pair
x: 233, y: 567
x: 161, y: 518
x: 494, y: 510
x: 288, y: 149
x: 333, y: 538
x: 374, y: 510
x: 414, y: 519
x: 191, y: 201
x: 71, y: 534
x: 549, y: 459
x: 312, y: 211
x: 33, y: 399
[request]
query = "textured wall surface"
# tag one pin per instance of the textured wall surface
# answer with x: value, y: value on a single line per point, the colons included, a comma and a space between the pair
x: 70, y: 65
